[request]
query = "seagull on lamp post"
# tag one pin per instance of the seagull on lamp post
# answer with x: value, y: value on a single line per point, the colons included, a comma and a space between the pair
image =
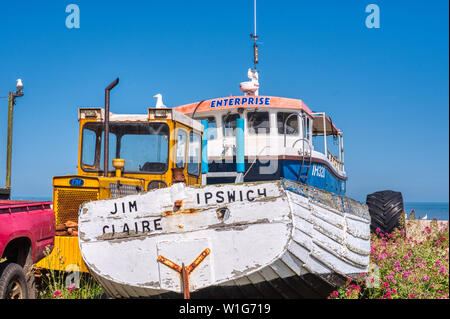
x: 19, y: 85
x: 159, y: 102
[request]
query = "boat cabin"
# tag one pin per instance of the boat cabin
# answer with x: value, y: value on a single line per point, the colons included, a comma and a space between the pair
x: 283, y: 138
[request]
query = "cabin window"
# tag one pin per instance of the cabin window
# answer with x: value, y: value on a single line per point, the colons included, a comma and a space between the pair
x: 143, y: 146
x: 180, y: 155
x: 145, y: 149
x: 92, y: 148
x: 193, y: 166
x: 212, y: 126
x: 88, y: 151
x: 258, y: 122
x: 290, y: 126
x: 229, y: 124
x: 307, y: 128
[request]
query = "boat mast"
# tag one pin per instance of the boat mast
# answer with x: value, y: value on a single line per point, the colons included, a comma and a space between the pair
x: 254, y: 37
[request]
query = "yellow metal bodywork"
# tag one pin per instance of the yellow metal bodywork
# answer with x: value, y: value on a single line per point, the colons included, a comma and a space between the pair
x: 65, y: 256
x: 67, y: 199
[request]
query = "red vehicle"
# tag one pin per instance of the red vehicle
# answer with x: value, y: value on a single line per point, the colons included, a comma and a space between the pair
x: 27, y: 229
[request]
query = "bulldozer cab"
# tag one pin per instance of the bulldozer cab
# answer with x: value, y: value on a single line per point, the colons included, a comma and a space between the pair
x: 145, y: 152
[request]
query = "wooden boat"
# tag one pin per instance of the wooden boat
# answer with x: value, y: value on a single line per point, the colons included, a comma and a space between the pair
x: 249, y: 231
x: 276, y: 239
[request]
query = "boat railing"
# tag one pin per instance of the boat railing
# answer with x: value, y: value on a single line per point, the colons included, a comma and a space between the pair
x: 334, y: 160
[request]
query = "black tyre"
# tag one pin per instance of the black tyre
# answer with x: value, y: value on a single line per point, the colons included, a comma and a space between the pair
x: 386, y: 211
x: 13, y: 284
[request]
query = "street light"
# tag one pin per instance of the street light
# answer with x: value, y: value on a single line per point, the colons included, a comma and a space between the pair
x: 11, y: 102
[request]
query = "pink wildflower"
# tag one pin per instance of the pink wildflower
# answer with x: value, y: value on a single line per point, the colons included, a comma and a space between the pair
x: 334, y: 294
x: 57, y: 294
x: 72, y: 288
x: 382, y: 256
x: 355, y: 287
x: 406, y: 274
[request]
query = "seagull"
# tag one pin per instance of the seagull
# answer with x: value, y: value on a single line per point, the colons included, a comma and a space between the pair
x: 425, y: 217
x: 159, y: 102
x: 250, y: 87
x: 19, y: 85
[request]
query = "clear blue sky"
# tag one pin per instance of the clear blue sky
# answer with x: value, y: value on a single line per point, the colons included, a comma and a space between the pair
x: 386, y: 88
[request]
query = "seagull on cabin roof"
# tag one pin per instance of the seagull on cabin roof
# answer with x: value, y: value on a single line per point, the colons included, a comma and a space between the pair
x: 250, y: 87
x: 159, y: 102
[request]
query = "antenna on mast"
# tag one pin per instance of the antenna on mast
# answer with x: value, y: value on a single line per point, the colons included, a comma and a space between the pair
x: 252, y: 87
x: 254, y: 37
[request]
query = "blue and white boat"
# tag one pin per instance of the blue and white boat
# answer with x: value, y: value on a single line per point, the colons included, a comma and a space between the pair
x: 283, y: 138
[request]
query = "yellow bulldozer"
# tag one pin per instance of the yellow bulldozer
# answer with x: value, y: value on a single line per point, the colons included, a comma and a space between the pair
x: 118, y: 155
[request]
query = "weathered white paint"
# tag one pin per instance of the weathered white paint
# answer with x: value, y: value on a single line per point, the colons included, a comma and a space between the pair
x: 291, y: 231
x: 252, y: 234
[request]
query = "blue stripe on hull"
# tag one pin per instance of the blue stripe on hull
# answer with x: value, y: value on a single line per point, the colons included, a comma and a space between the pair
x: 319, y: 175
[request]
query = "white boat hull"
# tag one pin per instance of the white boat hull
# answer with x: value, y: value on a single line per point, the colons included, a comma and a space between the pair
x: 274, y: 239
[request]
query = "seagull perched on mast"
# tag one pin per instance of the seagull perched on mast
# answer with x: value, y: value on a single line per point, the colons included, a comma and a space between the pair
x: 250, y: 87
x: 159, y: 102
x: 19, y: 85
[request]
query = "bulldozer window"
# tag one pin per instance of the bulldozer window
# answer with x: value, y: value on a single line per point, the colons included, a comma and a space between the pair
x: 195, y: 141
x: 143, y: 146
x: 92, y: 148
x: 180, y: 155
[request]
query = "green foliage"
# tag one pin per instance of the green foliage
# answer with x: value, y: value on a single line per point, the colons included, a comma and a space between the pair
x: 402, y: 267
x: 56, y: 285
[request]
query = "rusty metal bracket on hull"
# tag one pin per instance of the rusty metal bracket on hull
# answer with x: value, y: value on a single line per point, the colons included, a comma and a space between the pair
x: 185, y: 271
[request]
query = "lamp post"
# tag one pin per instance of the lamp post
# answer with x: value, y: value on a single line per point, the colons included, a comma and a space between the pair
x: 11, y: 101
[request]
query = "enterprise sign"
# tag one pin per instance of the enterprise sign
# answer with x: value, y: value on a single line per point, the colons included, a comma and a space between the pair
x: 240, y: 101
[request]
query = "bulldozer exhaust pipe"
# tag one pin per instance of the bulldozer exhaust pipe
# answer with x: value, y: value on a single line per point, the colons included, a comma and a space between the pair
x: 106, y: 129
